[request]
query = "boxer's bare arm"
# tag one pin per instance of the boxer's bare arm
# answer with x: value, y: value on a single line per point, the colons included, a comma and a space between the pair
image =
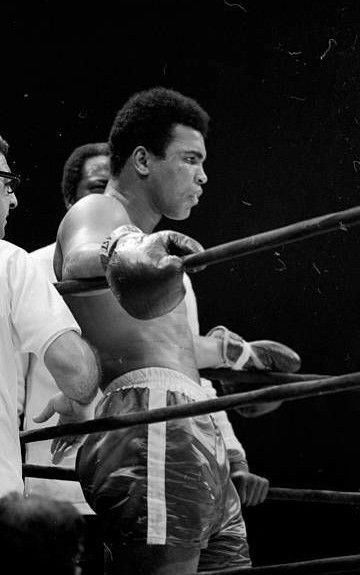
x: 81, y: 233
x: 74, y: 366
x: 207, y: 352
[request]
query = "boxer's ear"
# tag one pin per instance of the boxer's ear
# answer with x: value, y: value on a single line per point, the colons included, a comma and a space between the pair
x: 140, y: 160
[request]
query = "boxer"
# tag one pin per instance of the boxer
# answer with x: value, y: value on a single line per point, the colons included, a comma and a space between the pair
x: 163, y: 492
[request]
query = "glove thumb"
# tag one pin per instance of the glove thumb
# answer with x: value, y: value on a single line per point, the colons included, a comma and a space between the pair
x: 180, y: 245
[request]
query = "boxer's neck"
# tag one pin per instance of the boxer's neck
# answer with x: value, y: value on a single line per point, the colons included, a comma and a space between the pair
x: 137, y: 207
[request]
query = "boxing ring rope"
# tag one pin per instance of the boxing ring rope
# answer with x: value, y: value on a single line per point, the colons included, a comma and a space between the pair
x: 232, y: 380
x: 274, y: 493
x: 325, y: 565
x: 252, y: 244
x: 344, y: 564
x: 285, y: 392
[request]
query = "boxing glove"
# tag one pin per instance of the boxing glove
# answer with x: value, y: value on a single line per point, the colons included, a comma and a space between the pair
x: 264, y: 354
x: 145, y: 271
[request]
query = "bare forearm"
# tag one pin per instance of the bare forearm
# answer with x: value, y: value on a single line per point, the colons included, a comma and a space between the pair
x: 207, y: 351
x: 74, y: 366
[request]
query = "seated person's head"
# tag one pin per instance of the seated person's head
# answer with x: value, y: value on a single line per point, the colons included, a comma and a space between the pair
x: 86, y: 171
x: 40, y: 535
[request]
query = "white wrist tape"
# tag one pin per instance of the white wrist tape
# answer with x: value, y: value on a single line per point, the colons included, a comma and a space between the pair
x: 235, y: 351
x: 258, y: 364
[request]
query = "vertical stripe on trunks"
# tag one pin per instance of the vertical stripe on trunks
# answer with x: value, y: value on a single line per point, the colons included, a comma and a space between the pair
x: 156, y: 498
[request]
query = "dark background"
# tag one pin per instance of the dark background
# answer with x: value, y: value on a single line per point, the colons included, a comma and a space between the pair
x: 281, y: 81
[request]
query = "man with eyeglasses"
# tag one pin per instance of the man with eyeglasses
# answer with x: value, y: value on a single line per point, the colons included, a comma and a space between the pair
x: 8, y: 199
x: 34, y: 319
x: 13, y: 181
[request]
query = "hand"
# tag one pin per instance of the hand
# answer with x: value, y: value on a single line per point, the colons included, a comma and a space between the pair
x: 145, y: 271
x: 252, y: 488
x: 69, y: 411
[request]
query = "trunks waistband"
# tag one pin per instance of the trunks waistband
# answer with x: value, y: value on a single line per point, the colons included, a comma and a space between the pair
x: 159, y: 378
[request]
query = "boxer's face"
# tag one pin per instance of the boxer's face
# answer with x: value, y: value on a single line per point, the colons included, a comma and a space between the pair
x: 176, y: 180
x: 7, y: 200
x: 95, y: 175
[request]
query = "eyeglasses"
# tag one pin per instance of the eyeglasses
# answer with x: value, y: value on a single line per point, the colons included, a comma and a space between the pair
x: 14, y: 181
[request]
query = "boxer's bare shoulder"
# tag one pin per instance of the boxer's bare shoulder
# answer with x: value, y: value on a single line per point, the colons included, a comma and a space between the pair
x: 91, y: 218
x: 82, y: 230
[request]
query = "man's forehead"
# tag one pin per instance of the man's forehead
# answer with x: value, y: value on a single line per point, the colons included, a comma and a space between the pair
x: 187, y: 138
